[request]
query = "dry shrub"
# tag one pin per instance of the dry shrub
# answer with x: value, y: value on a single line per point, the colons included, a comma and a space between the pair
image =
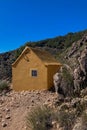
x: 40, y: 118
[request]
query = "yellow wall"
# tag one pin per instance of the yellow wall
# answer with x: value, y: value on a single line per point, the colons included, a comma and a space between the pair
x: 51, y: 70
x: 21, y: 73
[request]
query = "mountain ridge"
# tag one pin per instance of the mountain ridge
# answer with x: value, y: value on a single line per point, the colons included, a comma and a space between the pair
x: 56, y: 46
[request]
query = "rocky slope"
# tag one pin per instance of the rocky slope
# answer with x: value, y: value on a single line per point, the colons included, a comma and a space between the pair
x: 58, y: 47
x: 6, y: 59
x: 74, y: 61
x: 15, y: 106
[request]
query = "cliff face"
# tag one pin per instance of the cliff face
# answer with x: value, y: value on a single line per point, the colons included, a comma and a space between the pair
x: 74, y: 72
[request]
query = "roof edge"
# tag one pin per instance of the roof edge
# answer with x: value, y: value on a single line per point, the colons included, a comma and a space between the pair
x: 31, y: 49
x: 20, y: 55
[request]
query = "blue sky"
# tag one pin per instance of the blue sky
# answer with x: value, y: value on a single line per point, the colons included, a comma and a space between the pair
x: 33, y: 20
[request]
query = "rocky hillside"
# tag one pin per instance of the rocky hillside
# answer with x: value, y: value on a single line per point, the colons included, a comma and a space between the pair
x: 69, y: 105
x: 6, y: 59
x: 61, y: 47
x: 15, y: 106
x: 74, y: 52
x: 74, y: 70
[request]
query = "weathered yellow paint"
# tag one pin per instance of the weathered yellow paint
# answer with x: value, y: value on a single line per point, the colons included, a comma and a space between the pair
x: 51, y: 70
x: 21, y: 72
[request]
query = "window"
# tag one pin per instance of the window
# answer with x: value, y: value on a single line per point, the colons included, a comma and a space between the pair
x: 34, y: 73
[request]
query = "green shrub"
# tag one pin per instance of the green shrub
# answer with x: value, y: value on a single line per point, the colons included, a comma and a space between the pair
x: 19, y: 51
x: 80, y: 107
x: 67, y: 76
x: 40, y: 118
x: 3, y: 85
x: 66, y: 119
x: 67, y: 82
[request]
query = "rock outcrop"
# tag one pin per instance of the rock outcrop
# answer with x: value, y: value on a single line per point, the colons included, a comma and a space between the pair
x: 80, y: 72
x: 63, y: 82
x: 74, y: 74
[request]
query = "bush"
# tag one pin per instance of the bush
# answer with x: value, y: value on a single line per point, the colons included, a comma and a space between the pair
x: 67, y: 82
x: 4, y: 85
x: 40, y: 118
x: 67, y: 76
x: 19, y: 51
x: 80, y: 107
x: 66, y: 119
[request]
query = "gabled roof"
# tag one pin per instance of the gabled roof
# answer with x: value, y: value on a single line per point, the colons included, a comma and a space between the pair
x: 44, y: 56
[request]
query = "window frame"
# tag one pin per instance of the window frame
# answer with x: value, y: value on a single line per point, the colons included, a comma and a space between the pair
x: 33, y: 72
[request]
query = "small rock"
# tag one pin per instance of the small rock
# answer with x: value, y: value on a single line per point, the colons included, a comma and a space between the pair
x: 3, y: 120
x: 4, y: 124
x: 45, y: 104
x: 37, y: 93
x: 0, y: 116
x: 17, y: 105
x: 75, y: 101
x: 25, y: 128
x: 7, y: 117
x: 77, y: 126
x: 85, y: 99
x: 65, y: 106
x: 7, y: 109
x: 32, y: 101
x: 1, y: 101
x: 28, y: 107
x: 22, y: 92
x: 54, y: 123
x: 67, y: 99
x: 48, y: 100
x: 83, y: 92
x: 57, y: 126
x: 50, y: 105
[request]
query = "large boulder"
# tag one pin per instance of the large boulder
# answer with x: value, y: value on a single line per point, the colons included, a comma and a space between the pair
x: 80, y: 71
x: 63, y: 82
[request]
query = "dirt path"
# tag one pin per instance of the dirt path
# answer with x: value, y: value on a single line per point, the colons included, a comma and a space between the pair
x: 14, y: 107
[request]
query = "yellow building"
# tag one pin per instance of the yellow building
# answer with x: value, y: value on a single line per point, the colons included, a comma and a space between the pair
x: 34, y: 69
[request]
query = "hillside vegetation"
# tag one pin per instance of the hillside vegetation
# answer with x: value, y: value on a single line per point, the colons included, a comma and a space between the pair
x: 44, y: 109
x: 59, y: 43
x: 56, y: 46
